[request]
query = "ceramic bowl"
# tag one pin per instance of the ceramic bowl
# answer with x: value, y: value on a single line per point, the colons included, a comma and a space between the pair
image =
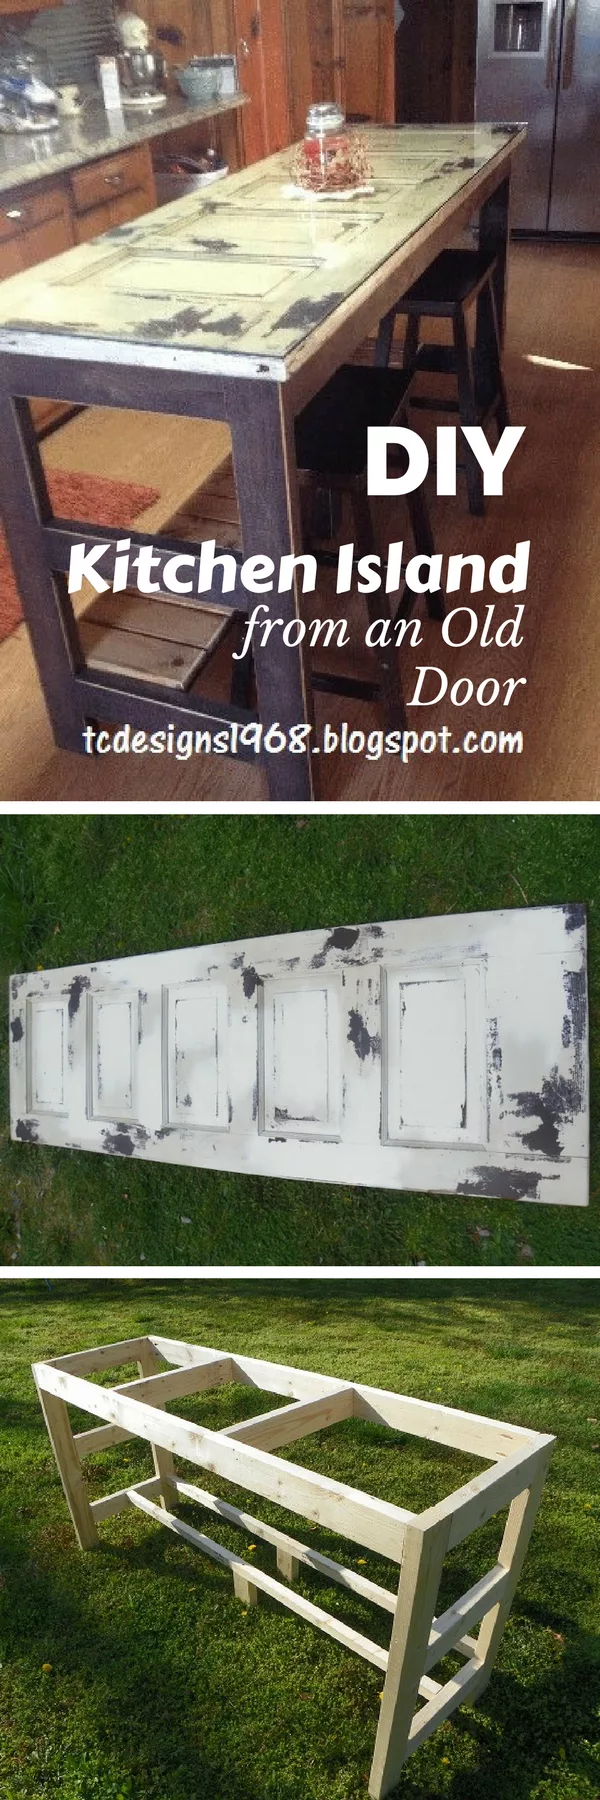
x: 199, y: 84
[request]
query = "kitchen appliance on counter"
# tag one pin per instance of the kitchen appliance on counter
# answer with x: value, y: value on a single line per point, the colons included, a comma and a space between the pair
x: 28, y: 99
x: 539, y: 61
x: 142, y: 71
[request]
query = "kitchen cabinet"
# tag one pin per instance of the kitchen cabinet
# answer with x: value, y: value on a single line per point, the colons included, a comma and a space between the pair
x: 111, y: 192
x: 33, y: 227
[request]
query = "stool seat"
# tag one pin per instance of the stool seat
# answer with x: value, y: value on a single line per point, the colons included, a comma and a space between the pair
x: 452, y: 280
x: 331, y: 432
x: 457, y: 281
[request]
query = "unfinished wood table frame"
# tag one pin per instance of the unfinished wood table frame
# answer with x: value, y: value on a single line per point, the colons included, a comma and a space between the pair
x: 247, y: 364
x: 243, y: 1453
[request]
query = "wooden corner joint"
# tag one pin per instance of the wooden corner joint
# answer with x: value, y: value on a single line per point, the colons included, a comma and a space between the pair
x: 243, y: 1453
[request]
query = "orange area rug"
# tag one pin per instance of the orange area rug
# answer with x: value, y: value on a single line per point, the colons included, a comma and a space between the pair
x: 90, y: 498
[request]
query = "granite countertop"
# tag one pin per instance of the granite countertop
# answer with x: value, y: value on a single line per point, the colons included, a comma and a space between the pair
x: 245, y: 272
x: 28, y: 157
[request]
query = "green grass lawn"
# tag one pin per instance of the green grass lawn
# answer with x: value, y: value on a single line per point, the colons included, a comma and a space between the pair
x: 163, y: 1687
x: 78, y: 889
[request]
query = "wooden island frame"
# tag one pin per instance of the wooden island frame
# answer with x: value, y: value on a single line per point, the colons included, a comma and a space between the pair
x: 243, y: 1453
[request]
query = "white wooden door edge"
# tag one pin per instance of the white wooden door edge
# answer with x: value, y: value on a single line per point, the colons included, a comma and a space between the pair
x: 443, y: 1055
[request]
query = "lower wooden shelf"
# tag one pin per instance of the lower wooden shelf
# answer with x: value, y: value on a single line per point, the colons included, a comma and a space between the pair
x: 164, y: 640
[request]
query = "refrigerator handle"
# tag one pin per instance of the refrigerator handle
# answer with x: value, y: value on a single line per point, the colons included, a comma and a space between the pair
x: 569, y: 50
x: 552, y: 36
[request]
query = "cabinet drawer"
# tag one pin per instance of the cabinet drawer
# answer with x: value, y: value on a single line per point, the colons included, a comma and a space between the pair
x: 23, y: 214
x: 119, y: 211
x: 114, y: 175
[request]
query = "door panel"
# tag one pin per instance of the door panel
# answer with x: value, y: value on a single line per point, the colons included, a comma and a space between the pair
x: 435, y: 1054
x: 434, y: 1061
x: 575, y: 202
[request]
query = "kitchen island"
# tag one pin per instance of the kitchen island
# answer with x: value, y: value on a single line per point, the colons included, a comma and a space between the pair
x: 235, y: 306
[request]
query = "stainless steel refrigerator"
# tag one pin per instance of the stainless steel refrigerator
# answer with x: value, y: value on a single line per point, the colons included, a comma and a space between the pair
x: 539, y: 61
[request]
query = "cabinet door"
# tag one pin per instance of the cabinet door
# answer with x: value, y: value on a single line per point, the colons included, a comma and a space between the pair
x: 261, y: 53
x: 367, y: 38
x: 435, y: 1055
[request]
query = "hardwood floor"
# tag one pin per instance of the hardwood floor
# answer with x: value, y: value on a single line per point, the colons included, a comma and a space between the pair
x: 552, y: 492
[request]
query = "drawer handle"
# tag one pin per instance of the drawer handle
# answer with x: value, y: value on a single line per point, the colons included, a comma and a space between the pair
x: 113, y: 180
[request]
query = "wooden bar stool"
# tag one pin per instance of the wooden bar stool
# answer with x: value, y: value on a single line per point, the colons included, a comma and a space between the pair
x: 457, y: 280
x: 331, y: 454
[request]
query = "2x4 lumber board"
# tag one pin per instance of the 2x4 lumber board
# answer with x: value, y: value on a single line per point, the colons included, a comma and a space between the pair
x: 376, y: 1524
x: 105, y: 1356
x: 178, y: 1354
x: 294, y: 1602
x: 454, y: 1692
x: 512, y: 1553
x: 421, y: 1418
x: 452, y: 1624
x: 101, y: 1437
x: 149, y: 1366
x: 167, y: 1384
x: 478, y: 1501
x: 286, y: 1424
x: 270, y: 1377
x: 69, y: 1467
x: 120, y: 1500
x: 441, y: 1424
x: 417, y: 1594
x: 290, y: 1546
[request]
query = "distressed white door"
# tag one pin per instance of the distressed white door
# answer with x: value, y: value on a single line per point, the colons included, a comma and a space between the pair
x: 447, y: 1055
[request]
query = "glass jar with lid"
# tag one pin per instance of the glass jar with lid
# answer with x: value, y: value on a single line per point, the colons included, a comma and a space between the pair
x: 330, y: 157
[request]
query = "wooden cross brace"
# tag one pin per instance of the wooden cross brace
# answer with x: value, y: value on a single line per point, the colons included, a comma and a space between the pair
x: 243, y: 1453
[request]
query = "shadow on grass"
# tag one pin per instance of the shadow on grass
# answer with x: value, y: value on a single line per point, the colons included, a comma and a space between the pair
x: 146, y: 1714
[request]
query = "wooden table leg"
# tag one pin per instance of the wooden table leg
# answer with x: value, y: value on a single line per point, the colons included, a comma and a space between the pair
x: 26, y: 510
x: 494, y: 227
x: 267, y: 488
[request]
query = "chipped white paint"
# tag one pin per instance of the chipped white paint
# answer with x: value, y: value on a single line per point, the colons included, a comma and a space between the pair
x: 428, y: 1054
x: 243, y: 1453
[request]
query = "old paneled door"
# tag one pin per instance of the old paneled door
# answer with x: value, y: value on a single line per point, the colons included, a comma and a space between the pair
x: 445, y: 1055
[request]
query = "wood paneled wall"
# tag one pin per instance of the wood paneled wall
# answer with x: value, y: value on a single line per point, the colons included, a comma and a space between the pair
x: 435, y: 61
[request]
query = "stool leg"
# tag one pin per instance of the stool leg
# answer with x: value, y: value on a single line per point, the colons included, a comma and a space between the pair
x: 411, y: 341
x: 384, y: 339
x: 467, y: 407
x: 242, y: 673
x: 424, y: 541
x: 378, y: 607
x: 502, y: 409
x: 422, y: 531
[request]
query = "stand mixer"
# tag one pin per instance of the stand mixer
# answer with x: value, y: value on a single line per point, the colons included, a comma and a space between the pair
x: 142, y: 71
